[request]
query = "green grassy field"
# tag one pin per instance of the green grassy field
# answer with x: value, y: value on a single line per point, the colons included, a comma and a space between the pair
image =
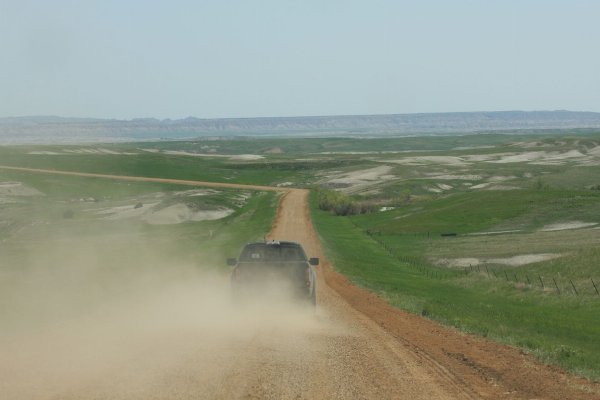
x: 296, y: 160
x: 560, y: 330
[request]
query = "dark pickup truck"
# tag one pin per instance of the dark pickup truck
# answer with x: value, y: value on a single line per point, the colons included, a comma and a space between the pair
x: 263, y: 265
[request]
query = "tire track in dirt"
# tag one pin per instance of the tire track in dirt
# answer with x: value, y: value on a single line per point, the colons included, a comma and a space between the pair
x: 358, y: 346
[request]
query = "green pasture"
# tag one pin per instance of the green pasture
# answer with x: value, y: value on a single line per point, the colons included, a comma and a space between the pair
x: 488, y: 210
x: 389, y: 256
x: 314, y: 145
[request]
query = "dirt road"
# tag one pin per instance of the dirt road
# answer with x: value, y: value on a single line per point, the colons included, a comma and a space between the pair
x: 393, y: 354
x: 356, y: 346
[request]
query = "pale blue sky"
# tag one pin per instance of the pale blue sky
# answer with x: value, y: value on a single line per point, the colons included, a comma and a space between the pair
x: 172, y: 59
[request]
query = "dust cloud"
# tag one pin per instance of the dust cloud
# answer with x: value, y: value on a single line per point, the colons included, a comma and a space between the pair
x: 109, y: 316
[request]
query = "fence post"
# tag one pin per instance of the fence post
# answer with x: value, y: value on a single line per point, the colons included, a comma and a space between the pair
x: 487, y: 270
x: 506, y: 275
x: 528, y: 281
x: 555, y: 284
x: 594, y: 283
x: 542, y: 282
x: 574, y: 288
x: 516, y: 279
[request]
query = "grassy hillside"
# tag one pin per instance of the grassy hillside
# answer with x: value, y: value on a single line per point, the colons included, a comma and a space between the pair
x: 558, y: 329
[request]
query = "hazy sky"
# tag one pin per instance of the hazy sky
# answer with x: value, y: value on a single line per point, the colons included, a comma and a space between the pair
x: 172, y: 59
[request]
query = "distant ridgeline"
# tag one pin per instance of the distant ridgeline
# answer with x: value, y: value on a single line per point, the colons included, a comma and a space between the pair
x: 64, y: 130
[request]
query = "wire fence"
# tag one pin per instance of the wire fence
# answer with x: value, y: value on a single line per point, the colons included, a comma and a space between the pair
x: 557, y: 284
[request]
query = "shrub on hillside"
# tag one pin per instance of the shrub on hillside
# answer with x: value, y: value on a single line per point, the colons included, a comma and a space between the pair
x: 341, y: 204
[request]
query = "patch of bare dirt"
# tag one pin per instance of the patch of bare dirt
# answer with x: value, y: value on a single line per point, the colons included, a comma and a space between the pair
x: 17, y: 189
x: 428, y: 160
x: 514, y: 261
x: 233, y: 157
x: 179, y: 213
x: 274, y: 150
x: 356, y: 181
x: 567, y: 225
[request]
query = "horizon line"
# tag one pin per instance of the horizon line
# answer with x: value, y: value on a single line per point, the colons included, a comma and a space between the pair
x: 289, y: 116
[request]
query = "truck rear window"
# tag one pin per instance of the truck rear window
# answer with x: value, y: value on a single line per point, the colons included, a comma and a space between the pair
x: 272, y: 252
